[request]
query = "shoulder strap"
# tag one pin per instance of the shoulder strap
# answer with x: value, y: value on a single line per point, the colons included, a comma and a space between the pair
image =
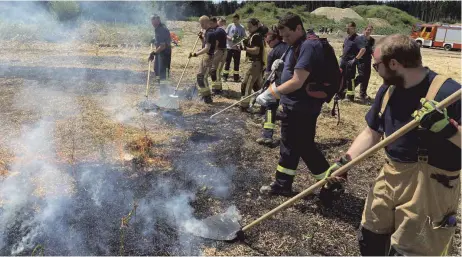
x: 435, y: 86
x: 385, y: 99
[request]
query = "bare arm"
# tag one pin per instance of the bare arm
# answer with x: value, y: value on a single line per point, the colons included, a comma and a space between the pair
x: 367, y: 139
x: 295, y: 83
x: 204, y: 50
x: 253, y: 50
x: 361, y: 53
x: 160, y: 48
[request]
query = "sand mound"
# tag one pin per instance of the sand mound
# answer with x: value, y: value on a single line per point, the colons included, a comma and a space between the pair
x: 377, y: 22
x: 337, y: 14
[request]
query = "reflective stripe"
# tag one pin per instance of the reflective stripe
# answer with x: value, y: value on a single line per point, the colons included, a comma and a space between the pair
x: 320, y: 176
x: 269, y: 125
x: 350, y: 92
x: 268, y: 116
x: 286, y: 171
x: 225, y: 71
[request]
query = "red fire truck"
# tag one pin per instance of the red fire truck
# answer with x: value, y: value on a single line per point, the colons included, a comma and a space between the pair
x: 433, y: 35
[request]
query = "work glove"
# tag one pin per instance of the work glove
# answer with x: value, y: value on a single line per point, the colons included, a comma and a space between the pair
x: 200, y: 35
x: 337, y: 165
x: 192, y: 55
x: 352, y: 62
x: 276, y: 64
x: 268, y: 96
x: 151, y: 56
x: 334, y: 187
x: 434, y: 119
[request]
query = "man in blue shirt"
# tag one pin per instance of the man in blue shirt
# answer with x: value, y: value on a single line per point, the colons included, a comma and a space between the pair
x: 208, y: 49
x: 219, y: 56
x: 163, y: 51
x: 413, y: 203
x: 304, y: 64
x: 353, y: 50
x: 364, y: 64
x: 236, y: 32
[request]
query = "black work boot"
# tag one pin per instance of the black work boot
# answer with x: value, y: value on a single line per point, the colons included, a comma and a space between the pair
x: 236, y: 78
x: 276, y: 189
x: 331, y: 192
x: 207, y: 99
x: 350, y: 98
x: 217, y: 92
x: 225, y: 77
x: 281, y: 186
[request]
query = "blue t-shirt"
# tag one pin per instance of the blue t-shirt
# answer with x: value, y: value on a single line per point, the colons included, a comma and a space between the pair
x: 209, y: 38
x: 310, y: 57
x: 220, y: 36
x: 369, y: 45
x: 162, y: 36
x: 351, y: 46
x: 402, y: 103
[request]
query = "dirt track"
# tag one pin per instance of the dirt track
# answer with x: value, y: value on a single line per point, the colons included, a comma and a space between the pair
x: 110, y: 85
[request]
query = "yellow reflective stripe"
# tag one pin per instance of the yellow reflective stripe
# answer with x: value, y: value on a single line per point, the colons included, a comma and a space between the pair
x: 268, y: 116
x: 203, y: 90
x: 269, y: 125
x: 320, y: 176
x: 286, y: 171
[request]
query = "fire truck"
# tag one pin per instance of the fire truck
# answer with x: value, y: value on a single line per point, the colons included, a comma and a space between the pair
x: 433, y: 35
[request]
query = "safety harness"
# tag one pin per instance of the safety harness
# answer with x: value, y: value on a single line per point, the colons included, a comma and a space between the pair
x: 422, y: 152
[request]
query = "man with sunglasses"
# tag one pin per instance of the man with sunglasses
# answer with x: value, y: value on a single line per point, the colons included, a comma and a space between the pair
x: 353, y: 50
x: 412, y: 205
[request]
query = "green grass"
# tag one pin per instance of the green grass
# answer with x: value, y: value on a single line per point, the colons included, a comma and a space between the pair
x: 268, y: 14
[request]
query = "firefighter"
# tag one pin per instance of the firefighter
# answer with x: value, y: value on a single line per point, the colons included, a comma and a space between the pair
x: 300, y: 111
x: 274, y: 40
x: 411, y: 207
x: 254, y: 48
x: 219, y: 56
x: 163, y: 51
x: 208, y: 48
x: 353, y: 50
x: 236, y: 33
x: 364, y: 64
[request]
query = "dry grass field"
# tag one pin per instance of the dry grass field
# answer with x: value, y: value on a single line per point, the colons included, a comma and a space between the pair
x: 70, y: 122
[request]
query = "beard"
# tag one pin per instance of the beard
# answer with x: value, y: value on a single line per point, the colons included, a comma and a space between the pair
x: 392, y: 78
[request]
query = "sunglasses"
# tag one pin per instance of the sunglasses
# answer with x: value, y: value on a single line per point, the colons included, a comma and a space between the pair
x: 376, y: 66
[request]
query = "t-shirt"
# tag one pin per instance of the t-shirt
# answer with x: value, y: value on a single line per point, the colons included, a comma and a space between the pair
x: 369, y: 45
x: 256, y: 40
x: 310, y: 58
x: 162, y: 36
x: 237, y: 32
x: 276, y: 53
x: 220, y: 35
x: 351, y: 46
x: 402, y: 103
x: 209, y: 38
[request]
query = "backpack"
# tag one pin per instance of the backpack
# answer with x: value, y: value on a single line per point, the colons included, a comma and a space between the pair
x: 331, y: 84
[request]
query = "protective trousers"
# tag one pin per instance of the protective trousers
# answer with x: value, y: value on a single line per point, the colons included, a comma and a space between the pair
x: 298, y: 129
x: 348, y: 74
x: 364, y: 74
x: 202, y: 76
x: 410, y: 207
x: 252, y: 80
x: 218, y: 62
x: 162, y: 63
x: 236, y: 56
x: 270, y: 120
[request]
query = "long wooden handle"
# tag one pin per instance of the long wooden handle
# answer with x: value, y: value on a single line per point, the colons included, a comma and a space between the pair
x: 185, y: 67
x: 149, y: 72
x: 408, y: 127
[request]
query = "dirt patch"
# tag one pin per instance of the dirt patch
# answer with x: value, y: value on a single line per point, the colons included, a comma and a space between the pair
x: 337, y: 14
